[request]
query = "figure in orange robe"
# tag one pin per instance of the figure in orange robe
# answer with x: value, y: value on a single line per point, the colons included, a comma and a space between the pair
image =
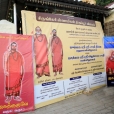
x: 14, y: 70
x: 57, y: 53
x: 41, y: 53
x: 110, y: 64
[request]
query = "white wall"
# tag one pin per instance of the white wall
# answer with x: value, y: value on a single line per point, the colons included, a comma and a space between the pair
x: 7, y: 27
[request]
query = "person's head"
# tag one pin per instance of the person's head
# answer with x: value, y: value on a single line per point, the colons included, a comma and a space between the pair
x: 38, y: 30
x: 54, y: 32
x: 13, y: 46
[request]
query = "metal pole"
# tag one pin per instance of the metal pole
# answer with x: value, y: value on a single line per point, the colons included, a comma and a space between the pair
x: 15, y: 16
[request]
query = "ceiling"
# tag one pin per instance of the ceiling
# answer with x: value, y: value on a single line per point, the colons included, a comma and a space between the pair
x: 5, y: 5
x: 3, y: 8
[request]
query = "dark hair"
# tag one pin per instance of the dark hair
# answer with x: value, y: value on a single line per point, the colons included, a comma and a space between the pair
x: 13, y: 43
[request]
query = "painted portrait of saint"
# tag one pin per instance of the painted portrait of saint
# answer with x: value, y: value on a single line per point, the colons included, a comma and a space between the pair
x: 110, y: 64
x: 14, y: 71
x: 41, y: 53
x: 56, y: 52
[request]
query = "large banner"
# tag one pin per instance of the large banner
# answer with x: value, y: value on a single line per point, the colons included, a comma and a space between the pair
x: 16, y: 74
x: 109, y: 58
x: 68, y: 55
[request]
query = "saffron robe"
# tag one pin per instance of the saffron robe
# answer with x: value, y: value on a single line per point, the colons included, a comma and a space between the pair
x: 41, y: 55
x: 57, y: 51
x: 14, y: 66
x: 110, y: 65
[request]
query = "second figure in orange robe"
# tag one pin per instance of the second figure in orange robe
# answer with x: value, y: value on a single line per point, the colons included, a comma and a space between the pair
x: 57, y: 53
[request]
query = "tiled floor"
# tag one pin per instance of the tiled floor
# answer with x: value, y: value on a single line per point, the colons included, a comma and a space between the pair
x: 100, y: 102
